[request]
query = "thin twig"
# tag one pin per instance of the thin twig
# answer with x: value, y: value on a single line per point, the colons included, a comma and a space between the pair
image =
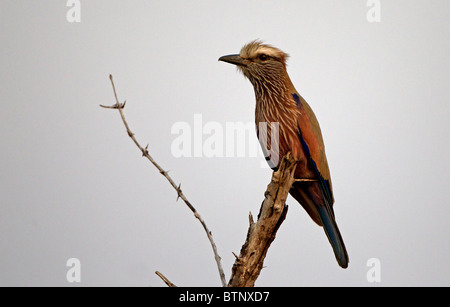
x: 164, y: 278
x: 177, y: 188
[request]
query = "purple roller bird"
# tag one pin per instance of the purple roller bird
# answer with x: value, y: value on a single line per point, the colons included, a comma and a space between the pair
x: 277, y: 101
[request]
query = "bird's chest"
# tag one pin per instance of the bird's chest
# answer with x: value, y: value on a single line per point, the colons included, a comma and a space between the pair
x: 277, y: 126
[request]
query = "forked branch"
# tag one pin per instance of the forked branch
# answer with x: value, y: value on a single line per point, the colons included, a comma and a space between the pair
x: 260, y: 235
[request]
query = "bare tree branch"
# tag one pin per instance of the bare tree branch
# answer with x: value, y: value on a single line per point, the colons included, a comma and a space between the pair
x: 164, y: 278
x: 260, y: 235
x: 180, y: 194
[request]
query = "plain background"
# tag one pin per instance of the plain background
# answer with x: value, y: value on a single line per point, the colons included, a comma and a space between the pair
x: 72, y: 184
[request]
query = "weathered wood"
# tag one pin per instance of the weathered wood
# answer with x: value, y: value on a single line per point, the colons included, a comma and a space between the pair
x: 260, y: 235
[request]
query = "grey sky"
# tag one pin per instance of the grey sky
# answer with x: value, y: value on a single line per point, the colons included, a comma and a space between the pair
x: 74, y: 185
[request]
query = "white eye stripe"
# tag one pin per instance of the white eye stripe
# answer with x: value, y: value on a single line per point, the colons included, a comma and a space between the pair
x: 256, y: 48
x: 273, y: 52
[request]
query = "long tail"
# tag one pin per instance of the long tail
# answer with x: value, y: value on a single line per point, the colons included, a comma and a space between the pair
x: 334, y: 236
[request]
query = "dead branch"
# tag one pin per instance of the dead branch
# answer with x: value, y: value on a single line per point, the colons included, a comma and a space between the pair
x: 260, y: 235
x: 164, y: 278
x: 180, y: 194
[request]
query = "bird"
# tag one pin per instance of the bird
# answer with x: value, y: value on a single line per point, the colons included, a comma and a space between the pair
x: 277, y: 101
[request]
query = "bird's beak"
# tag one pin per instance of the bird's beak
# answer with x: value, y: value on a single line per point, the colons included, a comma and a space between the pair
x: 233, y: 59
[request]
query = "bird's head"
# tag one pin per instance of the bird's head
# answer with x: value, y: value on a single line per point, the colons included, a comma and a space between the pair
x: 259, y: 62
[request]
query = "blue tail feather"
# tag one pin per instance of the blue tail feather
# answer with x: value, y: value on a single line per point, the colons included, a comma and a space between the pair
x: 334, y: 236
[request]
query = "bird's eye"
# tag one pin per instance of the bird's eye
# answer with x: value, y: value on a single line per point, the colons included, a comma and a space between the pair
x: 263, y: 57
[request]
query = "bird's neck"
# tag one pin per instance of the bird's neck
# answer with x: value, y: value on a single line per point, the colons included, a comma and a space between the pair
x: 275, y: 104
x: 273, y: 91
